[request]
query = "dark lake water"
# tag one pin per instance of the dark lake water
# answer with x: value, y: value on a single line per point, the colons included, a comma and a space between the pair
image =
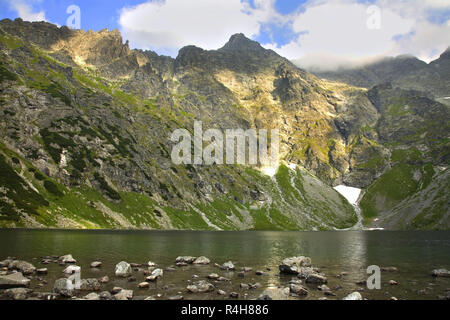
x: 415, y: 254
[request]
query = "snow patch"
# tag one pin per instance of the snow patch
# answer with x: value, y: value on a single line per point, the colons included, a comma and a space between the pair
x: 269, y: 171
x: 349, y: 193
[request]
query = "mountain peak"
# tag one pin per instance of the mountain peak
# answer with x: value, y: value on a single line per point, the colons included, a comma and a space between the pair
x: 239, y: 42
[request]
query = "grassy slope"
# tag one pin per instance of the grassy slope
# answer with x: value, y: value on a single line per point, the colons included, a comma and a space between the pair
x: 411, y: 195
x: 299, y: 201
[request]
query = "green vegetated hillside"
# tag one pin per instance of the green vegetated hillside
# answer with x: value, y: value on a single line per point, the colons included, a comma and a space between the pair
x: 86, y: 125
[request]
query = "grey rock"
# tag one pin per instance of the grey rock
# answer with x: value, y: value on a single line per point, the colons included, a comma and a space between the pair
x: 223, y: 279
x: 116, y: 290
x: 202, y: 261
x: 254, y: 286
x: 25, y: 267
x: 17, y: 293
x: 72, y: 269
x: 42, y: 271
x: 91, y: 284
x: 92, y: 296
x: 185, y: 259
x: 292, y: 265
x: 316, y: 279
x: 228, y: 266
x: 105, y: 295
x: 157, y: 273
x: 5, y: 263
x: 67, y: 259
x: 274, y: 293
x: 124, y: 295
x: 14, y: 280
x: 63, y: 288
x: 123, y: 269
x: 353, y: 296
x: 305, y: 272
x: 96, y: 264
x: 444, y: 273
x: 244, y: 286
x: 144, y: 285
x: 213, y: 276
x: 298, y: 290
x: 200, y: 287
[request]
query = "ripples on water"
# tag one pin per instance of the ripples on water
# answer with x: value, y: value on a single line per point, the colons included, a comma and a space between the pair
x: 415, y: 254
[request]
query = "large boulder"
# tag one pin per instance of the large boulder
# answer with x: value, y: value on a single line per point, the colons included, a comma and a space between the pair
x: 123, y: 269
x: 14, y: 280
x: 200, y: 287
x: 22, y: 266
x: 292, y: 265
x: 274, y: 293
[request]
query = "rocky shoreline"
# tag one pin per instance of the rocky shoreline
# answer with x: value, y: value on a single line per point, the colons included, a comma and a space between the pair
x: 16, y: 278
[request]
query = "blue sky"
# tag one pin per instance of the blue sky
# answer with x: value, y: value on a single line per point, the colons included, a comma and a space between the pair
x: 307, y: 31
x: 100, y: 14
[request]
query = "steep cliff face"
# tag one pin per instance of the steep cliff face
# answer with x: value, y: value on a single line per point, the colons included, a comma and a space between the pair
x: 86, y: 131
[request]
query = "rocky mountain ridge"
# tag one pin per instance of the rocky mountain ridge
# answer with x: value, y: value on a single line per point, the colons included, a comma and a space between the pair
x: 87, y: 123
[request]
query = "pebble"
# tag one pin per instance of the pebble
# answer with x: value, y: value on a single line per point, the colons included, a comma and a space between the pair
x: 144, y: 285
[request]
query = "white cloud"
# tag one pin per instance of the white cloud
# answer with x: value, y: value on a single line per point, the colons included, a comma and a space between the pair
x: 171, y: 24
x: 331, y: 33
x: 334, y: 33
x: 25, y: 11
x: 438, y: 4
